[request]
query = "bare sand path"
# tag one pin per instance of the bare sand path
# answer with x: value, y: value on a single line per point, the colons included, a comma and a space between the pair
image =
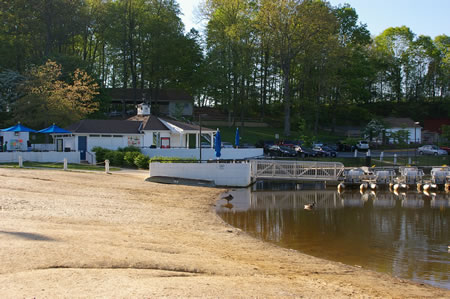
x: 74, y: 234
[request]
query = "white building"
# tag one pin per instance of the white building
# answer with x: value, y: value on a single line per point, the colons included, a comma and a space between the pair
x: 413, y: 128
x: 143, y: 130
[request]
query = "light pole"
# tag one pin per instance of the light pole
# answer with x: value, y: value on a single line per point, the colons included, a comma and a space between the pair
x: 415, y: 140
x: 200, y: 134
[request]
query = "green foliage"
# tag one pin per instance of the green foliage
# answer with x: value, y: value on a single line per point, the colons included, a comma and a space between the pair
x: 142, y: 161
x: 130, y: 157
x: 100, y: 153
x: 172, y: 160
x: 129, y: 149
x: 116, y: 158
x: 446, y: 132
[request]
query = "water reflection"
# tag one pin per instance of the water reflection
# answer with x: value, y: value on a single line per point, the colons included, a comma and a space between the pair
x: 405, y: 234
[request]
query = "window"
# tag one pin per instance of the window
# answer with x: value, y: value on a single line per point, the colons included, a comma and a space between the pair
x: 156, y: 138
x: 94, y: 135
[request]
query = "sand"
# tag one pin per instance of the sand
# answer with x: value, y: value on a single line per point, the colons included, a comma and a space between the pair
x: 85, y: 234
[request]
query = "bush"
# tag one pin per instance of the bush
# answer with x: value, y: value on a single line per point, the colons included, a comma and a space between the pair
x: 115, y: 158
x: 130, y: 149
x: 100, y: 153
x: 130, y: 157
x: 172, y: 159
x: 141, y: 161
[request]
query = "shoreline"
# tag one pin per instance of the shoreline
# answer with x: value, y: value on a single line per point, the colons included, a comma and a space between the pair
x: 90, y: 234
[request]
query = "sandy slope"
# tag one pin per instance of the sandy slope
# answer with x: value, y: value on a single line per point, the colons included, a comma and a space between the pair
x: 73, y: 234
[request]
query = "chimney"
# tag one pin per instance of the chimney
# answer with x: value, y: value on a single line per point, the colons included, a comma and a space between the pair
x: 143, y: 109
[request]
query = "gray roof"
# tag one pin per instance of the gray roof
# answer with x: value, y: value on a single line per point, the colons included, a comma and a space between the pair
x: 105, y: 126
x: 399, y: 122
x: 133, y: 125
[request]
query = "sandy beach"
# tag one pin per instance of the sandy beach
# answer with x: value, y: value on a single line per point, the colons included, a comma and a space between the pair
x: 86, y: 234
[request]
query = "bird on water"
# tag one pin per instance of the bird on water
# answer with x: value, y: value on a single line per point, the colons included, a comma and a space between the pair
x: 310, y: 206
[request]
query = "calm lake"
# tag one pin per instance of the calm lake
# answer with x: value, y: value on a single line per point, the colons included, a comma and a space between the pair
x: 405, y: 235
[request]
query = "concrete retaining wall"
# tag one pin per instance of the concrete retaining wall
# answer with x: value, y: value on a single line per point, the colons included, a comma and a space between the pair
x: 207, y: 153
x: 223, y: 174
x: 52, y: 157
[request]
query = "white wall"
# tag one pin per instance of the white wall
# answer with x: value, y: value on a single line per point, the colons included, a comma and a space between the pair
x: 207, y: 153
x: 53, y: 157
x: 11, y: 138
x: 223, y: 174
x: 417, y: 134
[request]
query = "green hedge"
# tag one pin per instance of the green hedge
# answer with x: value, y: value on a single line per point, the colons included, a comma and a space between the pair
x: 132, y: 157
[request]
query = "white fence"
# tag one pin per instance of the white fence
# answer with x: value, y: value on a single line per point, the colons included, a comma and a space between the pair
x: 44, y: 147
x: 223, y: 174
x: 207, y: 153
x: 52, y: 157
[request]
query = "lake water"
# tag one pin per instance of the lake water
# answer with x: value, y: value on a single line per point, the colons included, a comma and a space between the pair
x: 406, y: 235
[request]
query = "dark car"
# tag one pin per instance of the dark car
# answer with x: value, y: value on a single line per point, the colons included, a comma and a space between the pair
x: 343, y: 147
x: 281, y: 151
x: 330, y: 150
x: 324, y: 151
x: 303, y: 151
x: 446, y: 148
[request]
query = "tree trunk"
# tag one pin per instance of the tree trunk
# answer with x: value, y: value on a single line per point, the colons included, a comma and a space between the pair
x: 287, y: 97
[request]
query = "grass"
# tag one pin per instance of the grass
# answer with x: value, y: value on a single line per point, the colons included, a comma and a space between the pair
x: 58, y: 166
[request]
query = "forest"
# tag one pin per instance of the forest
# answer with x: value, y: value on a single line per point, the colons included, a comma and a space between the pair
x: 298, y: 64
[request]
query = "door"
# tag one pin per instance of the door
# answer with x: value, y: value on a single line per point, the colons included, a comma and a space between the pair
x: 59, y: 145
x: 82, y: 147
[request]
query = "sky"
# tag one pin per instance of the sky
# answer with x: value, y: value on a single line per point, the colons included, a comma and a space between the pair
x: 423, y: 17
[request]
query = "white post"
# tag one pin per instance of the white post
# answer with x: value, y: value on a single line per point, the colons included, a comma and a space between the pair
x: 20, y: 162
x: 381, y: 156
x: 368, y: 153
x: 65, y: 163
x: 106, y: 166
x: 409, y: 160
x: 395, y: 159
x: 356, y: 153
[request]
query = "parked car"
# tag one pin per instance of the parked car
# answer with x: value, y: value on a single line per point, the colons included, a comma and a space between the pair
x: 324, y: 151
x: 330, y: 150
x: 343, y: 147
x: 303, y: 151
x: 431, y: 150
x: 362, y: 145
x: 246, y: 145
x: 281, y: 151
x: 446, y: 148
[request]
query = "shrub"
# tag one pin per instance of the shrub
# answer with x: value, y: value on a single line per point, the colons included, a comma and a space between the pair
x: 141, y: 161
x: 130, y: 157
x: 115, y: 158
x: 172, y: 159
x: 100, y: 153
x: 130, y: 149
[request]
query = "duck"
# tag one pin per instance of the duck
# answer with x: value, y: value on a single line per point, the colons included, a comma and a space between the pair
x: 341, y: 187
x: 228, y: 197
x: 373, y: 186
x: 363, y: 186
x: 447, y: 187
x: 310, y: 206
x: 400, y: 186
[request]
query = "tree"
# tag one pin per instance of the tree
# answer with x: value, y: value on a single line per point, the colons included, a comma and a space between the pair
x: 48, y: 99
x: 290, y: 27
x: 9, y: 93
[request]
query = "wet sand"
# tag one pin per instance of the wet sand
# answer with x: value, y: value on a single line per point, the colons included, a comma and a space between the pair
x: 75, y: 234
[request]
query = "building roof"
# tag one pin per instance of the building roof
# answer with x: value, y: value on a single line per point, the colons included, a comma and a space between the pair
x: 398, y: 122
x: 133, y: 125
x: 164, y: 95
x: 105, y: 126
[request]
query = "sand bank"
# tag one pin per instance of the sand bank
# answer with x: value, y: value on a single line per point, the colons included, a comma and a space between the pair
x: 79, y: 234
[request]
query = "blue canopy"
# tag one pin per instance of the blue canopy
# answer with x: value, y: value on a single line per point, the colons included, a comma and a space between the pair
x: 54, y: 129
x: 18, y: 128
x: 236, y: 138
x: 217, y: 144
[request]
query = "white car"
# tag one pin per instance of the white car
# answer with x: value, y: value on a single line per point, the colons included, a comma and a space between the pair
x: 431, y: 150
x: 362, y: 145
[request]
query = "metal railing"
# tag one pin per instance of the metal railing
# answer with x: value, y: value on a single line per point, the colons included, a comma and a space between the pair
x: 296, y: 170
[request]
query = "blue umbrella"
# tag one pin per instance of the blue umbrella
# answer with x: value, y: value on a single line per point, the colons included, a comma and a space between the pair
x: 236, y: 138
x: 54, y: 129
x: 18, y: 128
x: 217, y: 143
